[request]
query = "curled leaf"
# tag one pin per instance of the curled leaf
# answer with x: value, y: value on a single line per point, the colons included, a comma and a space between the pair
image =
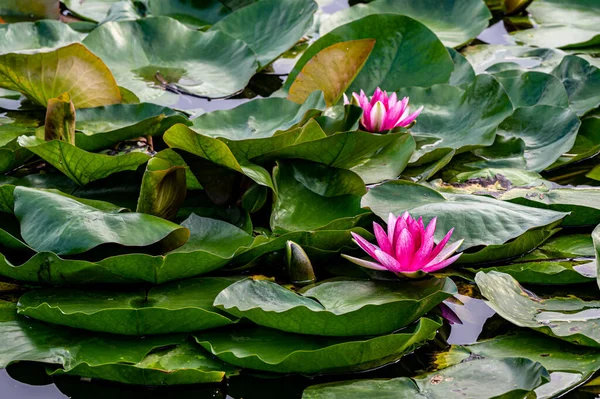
x: 60, y: 119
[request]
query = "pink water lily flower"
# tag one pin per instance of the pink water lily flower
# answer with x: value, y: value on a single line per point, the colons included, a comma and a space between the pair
x: 407, y: 248
x: 382, y: 112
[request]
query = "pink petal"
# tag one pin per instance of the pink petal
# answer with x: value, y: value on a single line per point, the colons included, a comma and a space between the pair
x: 411, y: 118
x: 388, y: 261
x: 438, y: 248
x: 393, y: 116
x: 446, y: 252
x: 382, y: 239
x: 390, y: 226
x: 392, y: 101
x: 346, y: 101
x: 441, y: 265
x: 365, y: 245
x: 400, y: 225
x: 427, y: 244
x: 405, y: 249
x: 377, y: 116
x: 377, y: 96
x: 364, y: 263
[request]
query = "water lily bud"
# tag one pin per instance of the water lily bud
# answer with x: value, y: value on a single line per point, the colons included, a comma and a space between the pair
x: 298, y: 264
x: 60, y: 119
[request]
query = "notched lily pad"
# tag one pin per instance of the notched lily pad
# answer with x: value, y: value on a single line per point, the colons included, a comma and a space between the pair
x: 569, y: 318
x: 265, y: 349
x: 335, y: 307
x: 176, y: 307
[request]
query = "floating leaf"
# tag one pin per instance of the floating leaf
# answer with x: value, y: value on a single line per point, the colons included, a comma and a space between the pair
x: 37, y: 35
x: 529, y: 88
x: 73, y: 69
x: 103, y: 127
x: 569, y: 318
x: 52, y: 222
x: 203, y: 69
x: 26, y: 10
x: 176, y: 307
x: 154, y: 360
x: 476, y: 379
x: 331, y: 70
x: 190, y: 12
x: 269, y: 27
x: 81, y: 166
x: 569, y: 365
x: 478, y: 220
x: 564, y: 24
x: 455, y: 23
x: 265, y: 349
x: 334, y: 307
x: 582, y: 81
x: 91, y: 10
x: 458, y: 119
x: 406, y: 53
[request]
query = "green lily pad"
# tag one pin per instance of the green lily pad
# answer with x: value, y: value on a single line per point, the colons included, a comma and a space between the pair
x: 28, y: 10
x: 301, y: 206
x: 335, y: 307
x: 176, y: 307
x: 265, y: 349
x: 582, y: 81
x: 476, y: 379
x: 103, y: 127
x: 91, y: 10
x: 560, y: 260
x: 463, y: 74
x: 587, y: 143
x: 529, y: 88
x: 190, y: 12
x: 569, y: 365
x: 154, y: 360
x: 457, y: 119
x: 81, y: 166
x: 45, y: 75
x: 269, y: 27
x: 495, y: 58
x: 478, y: 220
x: 52, y: 222
x: 36, y: 35
x: 256, y: 119
x: 455, y: 23
x: 203, y: 69
x: 564, y: 24
x: 570, y: 318
x: 406, y: 53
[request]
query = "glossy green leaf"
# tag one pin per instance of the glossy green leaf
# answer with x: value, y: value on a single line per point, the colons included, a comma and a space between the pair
x: 81, y: 166
x: 560, y: 260
x: 463, y: 73
x: 406, y: 53
x: 331, y: 71
x: 45, y: 75
x: 457, y: 119
x: 203, y: 69
x: 103, y: 127
x: 564, y: 24
x: 27, y: 10
x: 454, y: 22
x: 569, y: 365
x: 495, y: 58
x: 587, y: 143
x: 37, y: 35
x: 476, y: 379
x: 529, y: 88
x: 216, y: 151
x: 334, y: 307
x: 568, y: 318
x: 269, y: 27
x: 259, y: 118
x: 176, y: 307
x: 52, y: 222
x: 265, y: 349
x: 304, y: 201
x: 157, y: 360
x: 478, y: 220
x: 190, y: 12
x: 582, y: 81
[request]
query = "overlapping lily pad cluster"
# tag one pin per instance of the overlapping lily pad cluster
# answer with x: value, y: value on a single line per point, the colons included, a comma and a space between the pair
x: 148, y: 245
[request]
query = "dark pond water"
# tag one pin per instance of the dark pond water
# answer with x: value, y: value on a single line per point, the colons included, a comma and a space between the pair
x: 29, y: 381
